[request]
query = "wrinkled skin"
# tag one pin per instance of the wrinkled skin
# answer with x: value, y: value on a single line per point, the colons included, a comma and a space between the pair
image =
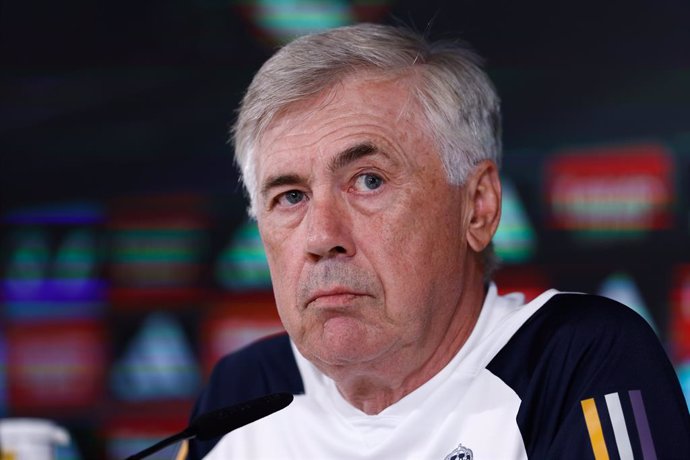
x: 373, y: 254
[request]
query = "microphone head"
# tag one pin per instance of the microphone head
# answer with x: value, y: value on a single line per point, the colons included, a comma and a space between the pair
x: 221, y: 421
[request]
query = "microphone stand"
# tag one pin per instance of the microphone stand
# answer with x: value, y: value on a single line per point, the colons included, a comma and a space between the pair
x: 181, y: 436
x: 221, y: 421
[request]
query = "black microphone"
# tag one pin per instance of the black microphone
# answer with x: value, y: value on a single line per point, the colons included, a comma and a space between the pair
x: 221, y: 421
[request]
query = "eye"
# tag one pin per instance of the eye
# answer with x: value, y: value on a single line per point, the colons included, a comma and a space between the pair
x: 368, y: 182
x: 290, y: 198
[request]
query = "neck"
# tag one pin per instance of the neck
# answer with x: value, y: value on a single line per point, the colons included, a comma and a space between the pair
x: 373, y: 388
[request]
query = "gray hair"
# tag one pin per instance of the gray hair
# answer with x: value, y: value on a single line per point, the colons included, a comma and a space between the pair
x: 460, y: 105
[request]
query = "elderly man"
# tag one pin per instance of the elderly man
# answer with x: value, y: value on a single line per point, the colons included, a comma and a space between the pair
x: 370, y: 157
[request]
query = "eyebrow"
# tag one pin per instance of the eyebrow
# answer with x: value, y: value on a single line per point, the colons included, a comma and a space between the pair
x: 279, y: 181
x: 342, y: 159
x: 352, y: 154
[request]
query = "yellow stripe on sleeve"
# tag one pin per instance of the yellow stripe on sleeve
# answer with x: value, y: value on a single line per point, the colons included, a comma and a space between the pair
x: 596, y: 434
x: 184, y: 449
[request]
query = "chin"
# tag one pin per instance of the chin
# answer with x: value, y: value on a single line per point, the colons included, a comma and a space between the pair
x: 334, y: 356
x: 342, y: 341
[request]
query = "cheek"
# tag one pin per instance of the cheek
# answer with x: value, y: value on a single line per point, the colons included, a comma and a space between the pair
x: 406, y: 237
x: 282, y: 257
x: 282, y: 273
x: 285, y: 286
x: 415, y: 249
x: 400, y: 256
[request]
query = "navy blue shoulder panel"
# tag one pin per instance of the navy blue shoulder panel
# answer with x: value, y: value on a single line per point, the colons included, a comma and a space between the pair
x: 264, y: 367
x: 581, y: 348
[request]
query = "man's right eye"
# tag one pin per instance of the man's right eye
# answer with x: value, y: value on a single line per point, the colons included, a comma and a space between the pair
x: 291, y: 198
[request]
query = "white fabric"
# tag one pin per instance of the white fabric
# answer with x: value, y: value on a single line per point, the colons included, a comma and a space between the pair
x: 463, y: 404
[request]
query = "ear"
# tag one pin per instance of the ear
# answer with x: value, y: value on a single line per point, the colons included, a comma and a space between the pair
x: 484, y: 199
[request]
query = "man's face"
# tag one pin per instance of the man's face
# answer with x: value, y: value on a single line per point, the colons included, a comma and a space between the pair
x: 364, y: 235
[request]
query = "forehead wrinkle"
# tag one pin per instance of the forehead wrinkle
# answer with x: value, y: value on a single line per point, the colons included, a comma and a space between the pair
x: 407, y: 106
x: 291, y: 124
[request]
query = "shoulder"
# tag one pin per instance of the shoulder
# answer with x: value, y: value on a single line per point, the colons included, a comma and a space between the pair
x: 579, y: 332
x: 584, y: 343
x: 579, y: 310
x: 583, y: 349
x: 266, y: 366
x: 584, y: 320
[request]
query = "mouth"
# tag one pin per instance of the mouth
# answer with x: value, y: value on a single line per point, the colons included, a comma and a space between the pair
x: 333, y: 298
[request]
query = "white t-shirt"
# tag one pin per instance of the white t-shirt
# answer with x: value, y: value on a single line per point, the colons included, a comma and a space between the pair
x: 455, y: 415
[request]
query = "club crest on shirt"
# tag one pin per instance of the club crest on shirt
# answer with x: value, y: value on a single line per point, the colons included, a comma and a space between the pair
x: 460, y: 453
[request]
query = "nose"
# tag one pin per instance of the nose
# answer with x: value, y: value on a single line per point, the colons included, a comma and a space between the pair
x: 329, y: 232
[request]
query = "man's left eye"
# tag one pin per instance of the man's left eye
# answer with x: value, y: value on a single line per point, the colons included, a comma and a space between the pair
x: 368, y: 182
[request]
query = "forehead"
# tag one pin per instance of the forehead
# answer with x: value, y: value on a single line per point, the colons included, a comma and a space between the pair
x: 383, y: 111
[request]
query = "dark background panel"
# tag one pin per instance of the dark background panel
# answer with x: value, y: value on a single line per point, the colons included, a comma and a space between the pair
x: 104, y: 102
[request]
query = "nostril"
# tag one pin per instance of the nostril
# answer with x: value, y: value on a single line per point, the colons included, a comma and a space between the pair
x: 339, y: 250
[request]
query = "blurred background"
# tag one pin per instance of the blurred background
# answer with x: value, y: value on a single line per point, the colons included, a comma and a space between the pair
x: 128, y: 267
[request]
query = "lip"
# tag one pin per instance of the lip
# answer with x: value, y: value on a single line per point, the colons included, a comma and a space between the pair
x: 336, y: 297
